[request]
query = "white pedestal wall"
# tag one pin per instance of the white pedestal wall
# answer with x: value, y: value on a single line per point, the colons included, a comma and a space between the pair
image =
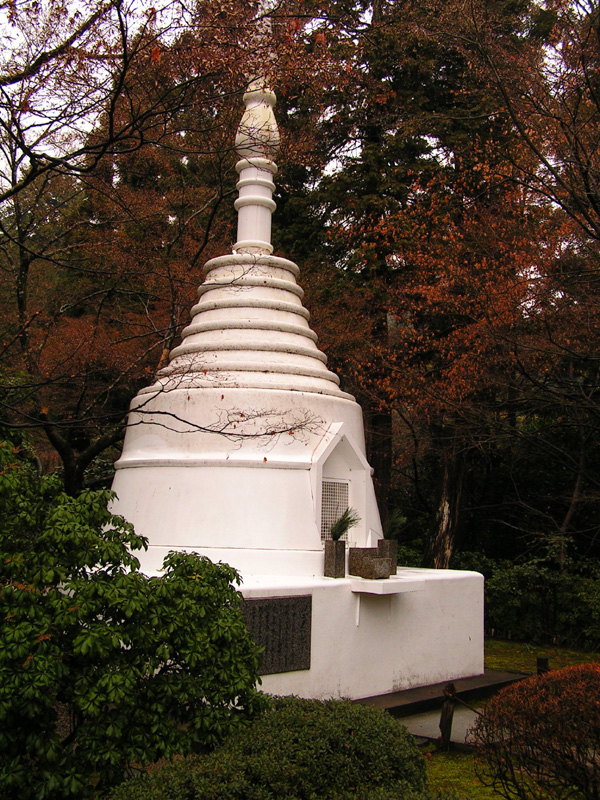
x: 365, y: 644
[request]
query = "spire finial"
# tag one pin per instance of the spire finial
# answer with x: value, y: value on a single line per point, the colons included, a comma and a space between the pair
x: 257, y: 143
x: 258, y: 135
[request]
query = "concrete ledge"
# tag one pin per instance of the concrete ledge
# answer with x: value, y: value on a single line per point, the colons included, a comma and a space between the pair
x: 386, y: 586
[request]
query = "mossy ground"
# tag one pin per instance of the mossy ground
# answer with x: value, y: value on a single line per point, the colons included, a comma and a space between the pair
x: 521, y: 657
x: 454, y: 774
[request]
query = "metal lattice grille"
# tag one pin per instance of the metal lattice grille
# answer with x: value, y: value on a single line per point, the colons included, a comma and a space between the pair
x: 334, y: 501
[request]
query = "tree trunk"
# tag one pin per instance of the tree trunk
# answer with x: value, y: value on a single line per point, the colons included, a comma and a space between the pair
x: 379, y: 452
x: 75, y: 464
x: 445, y: 529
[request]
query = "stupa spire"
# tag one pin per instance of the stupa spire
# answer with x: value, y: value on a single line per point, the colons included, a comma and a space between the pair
x: 257, y: 143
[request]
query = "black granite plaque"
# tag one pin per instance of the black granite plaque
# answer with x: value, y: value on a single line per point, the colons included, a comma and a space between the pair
x: 282, y: 626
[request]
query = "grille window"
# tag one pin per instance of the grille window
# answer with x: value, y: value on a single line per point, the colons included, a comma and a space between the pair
x: 334, y: 501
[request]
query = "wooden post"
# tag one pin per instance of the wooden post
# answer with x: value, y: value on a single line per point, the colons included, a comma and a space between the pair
x: 447, y: 714
x: 542, y: 665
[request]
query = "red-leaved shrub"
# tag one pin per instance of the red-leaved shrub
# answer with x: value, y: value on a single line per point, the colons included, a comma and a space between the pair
x: 541, y: 737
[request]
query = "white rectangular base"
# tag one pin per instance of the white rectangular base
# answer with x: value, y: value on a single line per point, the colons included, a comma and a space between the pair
x: 374, y: 637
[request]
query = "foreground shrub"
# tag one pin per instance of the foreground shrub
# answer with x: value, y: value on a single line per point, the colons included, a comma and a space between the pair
x: 541, y: 737
x: 299, y: 749
x: 100, y: 666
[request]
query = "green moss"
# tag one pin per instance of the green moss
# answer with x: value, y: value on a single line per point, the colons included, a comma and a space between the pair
x: 454, y: 774
x: 521, y: 657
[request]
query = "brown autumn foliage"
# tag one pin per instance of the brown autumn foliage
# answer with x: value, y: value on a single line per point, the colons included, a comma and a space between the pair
x: 514, y: 348
x: 117, y: 68
x: 405, y: 217
x: 97, y: 246
x: 492, y: 348
x: 540, y: 738
x: 543, y: 80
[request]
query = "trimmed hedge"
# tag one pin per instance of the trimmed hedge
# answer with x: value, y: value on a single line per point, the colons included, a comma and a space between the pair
x: 297, y: 750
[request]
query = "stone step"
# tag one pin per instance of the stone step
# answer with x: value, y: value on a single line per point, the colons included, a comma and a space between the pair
x: 422, y: 698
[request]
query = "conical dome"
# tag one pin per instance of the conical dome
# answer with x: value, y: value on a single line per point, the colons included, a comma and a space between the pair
x: 249, y: 328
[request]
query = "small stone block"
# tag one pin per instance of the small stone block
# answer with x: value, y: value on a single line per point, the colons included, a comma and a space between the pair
x: 377, y: 568
x: 357, y: 556
x: 366, y: 562
x: 388, y: 548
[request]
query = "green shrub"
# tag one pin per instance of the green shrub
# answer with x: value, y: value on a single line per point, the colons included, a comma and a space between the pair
x: 101, y: 667
x: 533, y: 603
x: 299, y: 749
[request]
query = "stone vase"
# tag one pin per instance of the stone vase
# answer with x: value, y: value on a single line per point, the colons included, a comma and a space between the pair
x: 335, y: 559
x: 388, y: 548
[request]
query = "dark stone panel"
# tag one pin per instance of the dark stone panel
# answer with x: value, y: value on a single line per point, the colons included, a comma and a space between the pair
x: 282, y: 626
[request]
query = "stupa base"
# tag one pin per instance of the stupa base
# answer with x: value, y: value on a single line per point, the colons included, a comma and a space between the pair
x: 356, y: 638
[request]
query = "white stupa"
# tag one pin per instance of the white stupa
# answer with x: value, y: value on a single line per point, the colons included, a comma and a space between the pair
x: 246, y: 450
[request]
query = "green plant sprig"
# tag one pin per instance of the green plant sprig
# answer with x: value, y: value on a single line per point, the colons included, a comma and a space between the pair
x: 343, y: 523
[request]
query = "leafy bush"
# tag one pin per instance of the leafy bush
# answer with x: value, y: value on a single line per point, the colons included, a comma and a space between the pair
x: 297, y: 750
x: 101, y: 667
x: 536, y: 604
x: 541, y: 737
